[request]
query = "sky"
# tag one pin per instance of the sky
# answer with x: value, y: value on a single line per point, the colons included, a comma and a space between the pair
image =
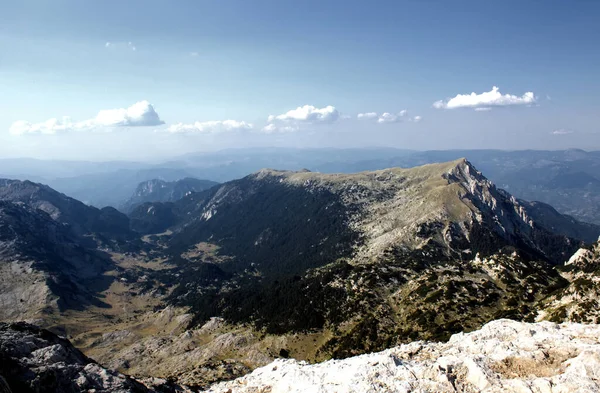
x: 141, y: 80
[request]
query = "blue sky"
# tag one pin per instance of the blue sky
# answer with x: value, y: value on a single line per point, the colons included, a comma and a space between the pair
x: 210, y: 73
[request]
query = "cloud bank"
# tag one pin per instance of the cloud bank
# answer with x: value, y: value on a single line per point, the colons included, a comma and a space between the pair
x: 486, y: 99
x: 308, y: 114
x: 302, y: 116
x: 140, y: 114
x: 210, y: 127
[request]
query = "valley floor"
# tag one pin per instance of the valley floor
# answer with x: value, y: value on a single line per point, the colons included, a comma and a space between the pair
x: 137, y: 333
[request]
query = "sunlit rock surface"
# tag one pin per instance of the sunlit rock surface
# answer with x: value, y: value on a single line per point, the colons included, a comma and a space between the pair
x: 503, y: 356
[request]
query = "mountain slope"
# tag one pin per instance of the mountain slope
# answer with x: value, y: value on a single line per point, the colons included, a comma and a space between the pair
x: 114, y: 187
x: 368, y: 259
x: 43, y: 264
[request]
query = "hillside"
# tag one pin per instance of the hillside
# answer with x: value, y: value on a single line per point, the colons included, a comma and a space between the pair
x: 43, y: 264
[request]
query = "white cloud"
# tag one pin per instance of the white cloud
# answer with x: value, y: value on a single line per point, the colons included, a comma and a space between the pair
x: 416, y: 119
x: 486, y: 99
x: 139, y: 114
x: 562, y: 131
x: 210, y: 127
x: 51, y: 126
x: 368, y: 115
x: 272, y: 128
x: 308, y: 114
x: 389, y: 118
x: 483, y: 109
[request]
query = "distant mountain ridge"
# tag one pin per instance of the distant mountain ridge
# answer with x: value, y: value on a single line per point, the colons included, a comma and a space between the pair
x: 566, y: 179
x: 157, y: 190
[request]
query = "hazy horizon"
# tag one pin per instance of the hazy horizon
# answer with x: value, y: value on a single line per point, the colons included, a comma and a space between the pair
x: 167, y: 159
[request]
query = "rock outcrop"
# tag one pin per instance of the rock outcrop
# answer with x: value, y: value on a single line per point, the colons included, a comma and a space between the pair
x: 35, y: 360
x: 504, y: 356
x: 580, y: 300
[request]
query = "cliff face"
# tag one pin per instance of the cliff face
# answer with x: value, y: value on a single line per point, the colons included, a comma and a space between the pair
x: 503, y: 356
x: 157, y: 190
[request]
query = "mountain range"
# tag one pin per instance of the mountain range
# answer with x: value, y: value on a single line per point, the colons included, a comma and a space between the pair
x: 566, y: 179
x: 298, y: 264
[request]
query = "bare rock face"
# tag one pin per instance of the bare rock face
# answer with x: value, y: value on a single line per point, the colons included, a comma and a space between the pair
x: 504, y: 356
x: 35, y: 360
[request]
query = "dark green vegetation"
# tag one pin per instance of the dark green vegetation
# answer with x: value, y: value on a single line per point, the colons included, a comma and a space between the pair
x: 403, y: 297
x: 277, y: 229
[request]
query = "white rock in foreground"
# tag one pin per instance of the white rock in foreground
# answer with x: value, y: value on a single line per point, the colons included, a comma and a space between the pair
x: 503, y: 356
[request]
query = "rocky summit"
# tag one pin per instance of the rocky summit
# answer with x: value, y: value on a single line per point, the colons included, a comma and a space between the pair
x: 503, y: 356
